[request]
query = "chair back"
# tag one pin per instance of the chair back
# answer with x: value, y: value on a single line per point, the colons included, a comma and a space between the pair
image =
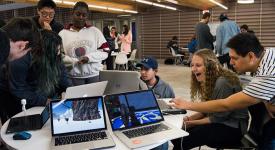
x: 173, y: 51
x: 259, y: 117
x: 133, y: 55
x: 121, y: 58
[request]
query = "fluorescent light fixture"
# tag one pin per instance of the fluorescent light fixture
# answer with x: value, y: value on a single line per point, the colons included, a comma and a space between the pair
x: 172, y: 1
x: 245, y: 1
x: 155, y: 4
x: 219, y: 4
x: 98, y: 7
x: 68, y: 2
x: 115, y: 9
x: 58, y: 1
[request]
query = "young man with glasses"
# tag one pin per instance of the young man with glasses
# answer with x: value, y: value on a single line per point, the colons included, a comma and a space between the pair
x: 45, y: 18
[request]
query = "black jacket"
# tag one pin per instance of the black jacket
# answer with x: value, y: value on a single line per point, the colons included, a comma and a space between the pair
x: 56, y: 27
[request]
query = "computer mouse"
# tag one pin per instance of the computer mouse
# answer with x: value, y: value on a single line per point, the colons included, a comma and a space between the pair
x: 22, y: 135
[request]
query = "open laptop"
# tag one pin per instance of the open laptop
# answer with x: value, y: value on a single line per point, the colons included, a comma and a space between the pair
x: 86, y: 90
x: 79, y: 123
x: 137, y: 121
x: 29, y: 122
x: 121, y: 81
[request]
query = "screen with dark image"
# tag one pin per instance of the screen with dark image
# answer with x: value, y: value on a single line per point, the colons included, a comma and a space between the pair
x: 77, y: 115
x: 132, y: 109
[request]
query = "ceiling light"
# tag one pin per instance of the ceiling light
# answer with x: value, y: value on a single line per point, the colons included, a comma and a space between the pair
x: 245, y: 1
x: 58, y: 1
x: 101, y: 7
x: 155, y: 4
x: 172, y: 1
x: 219, y: 4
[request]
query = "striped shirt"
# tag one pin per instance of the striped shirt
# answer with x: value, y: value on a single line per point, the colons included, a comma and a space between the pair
x: 263, y: 85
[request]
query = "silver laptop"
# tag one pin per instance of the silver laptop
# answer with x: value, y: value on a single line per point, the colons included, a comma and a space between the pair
x: 120, y: 81
x: 79, y: 123
x: 137, y: 121
x: 86, y: 90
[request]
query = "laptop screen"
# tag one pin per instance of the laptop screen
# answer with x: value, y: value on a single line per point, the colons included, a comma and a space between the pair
x: 77, y: 115
x: 132, y: 109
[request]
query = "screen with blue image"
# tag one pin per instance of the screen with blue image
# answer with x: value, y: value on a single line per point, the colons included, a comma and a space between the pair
x: 74, y: 115
x: 132, y: 109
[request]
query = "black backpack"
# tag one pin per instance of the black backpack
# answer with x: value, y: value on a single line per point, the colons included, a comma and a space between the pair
x: 169, y: 61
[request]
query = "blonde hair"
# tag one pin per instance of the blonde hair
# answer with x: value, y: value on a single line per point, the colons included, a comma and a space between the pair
x: 213, y: 70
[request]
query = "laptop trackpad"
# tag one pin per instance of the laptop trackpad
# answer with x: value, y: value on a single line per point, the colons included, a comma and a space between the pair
x: 85, y: 145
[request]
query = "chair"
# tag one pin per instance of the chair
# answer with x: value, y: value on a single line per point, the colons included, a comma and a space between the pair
x: 259, y: 116
x: 121, y: 61
x: 131, y: 60
x: 177, y: 57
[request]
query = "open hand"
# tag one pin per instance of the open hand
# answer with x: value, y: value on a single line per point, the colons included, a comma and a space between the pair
x: 179, y: 103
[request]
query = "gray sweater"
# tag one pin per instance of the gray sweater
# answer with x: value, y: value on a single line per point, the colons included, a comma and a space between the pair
x: 223, y: 89
x: 204, y: 38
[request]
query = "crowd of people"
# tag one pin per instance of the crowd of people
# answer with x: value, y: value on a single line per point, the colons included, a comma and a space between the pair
x: 40, y: 58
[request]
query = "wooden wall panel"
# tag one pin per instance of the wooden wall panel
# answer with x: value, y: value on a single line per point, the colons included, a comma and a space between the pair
x: 260, y: 17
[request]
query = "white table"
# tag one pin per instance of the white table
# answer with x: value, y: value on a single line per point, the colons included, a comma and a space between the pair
x: 41, y: 139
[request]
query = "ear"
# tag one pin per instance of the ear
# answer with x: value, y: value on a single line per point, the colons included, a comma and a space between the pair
x: 22, y: 45
x: 252, y: 57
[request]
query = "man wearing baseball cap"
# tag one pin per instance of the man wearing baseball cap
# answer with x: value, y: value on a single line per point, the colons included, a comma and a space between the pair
x: 148, y: 72
x: 149, y: 69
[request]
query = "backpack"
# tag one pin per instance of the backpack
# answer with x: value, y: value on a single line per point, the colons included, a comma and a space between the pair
x: 169, y: 61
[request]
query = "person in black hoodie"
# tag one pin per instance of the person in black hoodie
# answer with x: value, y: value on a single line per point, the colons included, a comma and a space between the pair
x: 111, y: 43
x: 45, y: 18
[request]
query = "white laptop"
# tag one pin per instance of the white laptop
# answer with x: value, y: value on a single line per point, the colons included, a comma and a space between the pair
x: 121, y: 81
x: 79, y: 123
x: 137, y: 121
x: 86, y: 90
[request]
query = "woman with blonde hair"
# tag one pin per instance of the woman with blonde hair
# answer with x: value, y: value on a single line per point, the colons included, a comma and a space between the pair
x: 211, y: 81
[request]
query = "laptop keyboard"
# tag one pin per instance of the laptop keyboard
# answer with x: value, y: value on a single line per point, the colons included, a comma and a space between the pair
x: 145, y: 130
x: 80, y: 138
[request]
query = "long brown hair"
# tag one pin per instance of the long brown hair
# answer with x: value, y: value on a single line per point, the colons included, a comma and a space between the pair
x: 213, y: 70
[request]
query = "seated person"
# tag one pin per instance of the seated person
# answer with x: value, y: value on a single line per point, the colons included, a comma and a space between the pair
x: 149, y: 69
x: 174, y: 44
x: 211, y: 81
x: 38, y: 77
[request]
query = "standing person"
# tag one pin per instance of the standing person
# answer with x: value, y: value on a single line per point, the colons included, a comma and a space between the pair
x: 126, y: 40
x: 111, y: 42
x: 247, y: 55
x: 149, y: 69
x: 209, y: 80
x: 45, y: 19
x: 115, y: 35
x: 204, y: 37
x: 192, y: 47
x: 85, y: 47
x: 225, y: 31
x: 244, y: 29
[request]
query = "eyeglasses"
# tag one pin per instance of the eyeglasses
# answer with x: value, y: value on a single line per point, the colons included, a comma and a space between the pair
x: 46, y: 14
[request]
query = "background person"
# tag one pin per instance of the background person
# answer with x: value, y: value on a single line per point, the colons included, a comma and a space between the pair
x: 211, y: 81
x: 225, y: 31
x: 203, y: 35
x: 126, y: 40
x: 45, y: 19
x: 247, y: 55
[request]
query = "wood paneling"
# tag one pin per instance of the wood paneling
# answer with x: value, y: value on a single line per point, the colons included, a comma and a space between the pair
x: 260, y: 17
